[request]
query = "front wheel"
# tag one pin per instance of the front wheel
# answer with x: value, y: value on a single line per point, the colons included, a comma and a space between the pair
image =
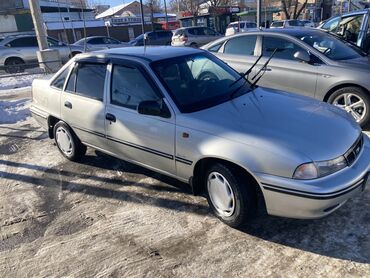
x: 230, y: 195
x: 355, y: 101
x: 67, y: 142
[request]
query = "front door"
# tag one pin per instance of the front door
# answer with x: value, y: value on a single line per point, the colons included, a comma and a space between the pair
x: 284, y: 72
x: 82, y: 102
x: 143, y: 139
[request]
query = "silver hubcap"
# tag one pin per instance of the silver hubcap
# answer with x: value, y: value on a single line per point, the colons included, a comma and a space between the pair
x: 221, y: 194
x: 353, y: 104
x: 64, y: 141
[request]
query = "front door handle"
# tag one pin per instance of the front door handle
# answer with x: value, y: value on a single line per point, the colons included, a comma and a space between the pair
x: 110, y: 117
x: 68, y: 104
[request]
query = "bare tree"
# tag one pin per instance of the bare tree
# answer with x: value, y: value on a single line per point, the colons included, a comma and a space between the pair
x: 289, y: 5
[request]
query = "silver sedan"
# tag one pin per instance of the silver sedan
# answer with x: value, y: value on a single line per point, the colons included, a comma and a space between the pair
x: 186, y: 114
x: 308, y: 62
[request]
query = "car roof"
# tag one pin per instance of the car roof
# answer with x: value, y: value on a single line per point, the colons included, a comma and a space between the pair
x: 148, y: 53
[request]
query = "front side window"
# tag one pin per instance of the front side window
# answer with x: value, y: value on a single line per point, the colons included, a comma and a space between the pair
x: 130, y: 87
x: 199, y: 81
x: 350, y: 27
x: 60, y: 80
x: 96, y: 41
x: 52, y: 42
x: 329, y: 45
x: 87, y: 79
x: 243, y: 45
x: 332, y: 24
x: 285, y: 48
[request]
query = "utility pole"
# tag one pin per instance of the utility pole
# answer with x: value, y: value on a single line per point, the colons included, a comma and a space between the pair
x: 38, y: 24
x: 142, y: 16
x: 165, y: 10
x: 258, y: 13
x: 49, y: 59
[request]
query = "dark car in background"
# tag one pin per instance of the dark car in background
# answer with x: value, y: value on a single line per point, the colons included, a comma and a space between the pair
x: 307, y: 61
x: 100, y: 43
x: 153, y: 38
x: 353, y: 27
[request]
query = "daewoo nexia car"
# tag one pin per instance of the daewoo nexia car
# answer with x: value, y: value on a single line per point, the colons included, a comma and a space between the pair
x: 186, y: 114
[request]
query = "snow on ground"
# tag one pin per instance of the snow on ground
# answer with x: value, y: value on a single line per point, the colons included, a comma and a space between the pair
x: 14, y: 111
x: 18, y: 81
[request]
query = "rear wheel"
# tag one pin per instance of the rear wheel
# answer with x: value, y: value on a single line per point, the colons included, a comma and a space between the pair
x: 355, y: 101
x: 67, y: 142
x: 14, y: 65
x: 230, y: 195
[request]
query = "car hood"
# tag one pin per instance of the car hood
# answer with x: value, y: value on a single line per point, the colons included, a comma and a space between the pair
x: 276, y: 121
x: 362, y: 63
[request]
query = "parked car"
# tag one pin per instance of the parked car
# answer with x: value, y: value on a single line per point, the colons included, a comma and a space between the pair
x: 153, y: 38
x: 308, y: 61
x: 353, y: 27
x: 308, y: 23
x: 186, y: 114
x: 194, y: 36
x: 240, y: 26
x: 99, y: 43
x: 19, y: 52
x: 287, y: 23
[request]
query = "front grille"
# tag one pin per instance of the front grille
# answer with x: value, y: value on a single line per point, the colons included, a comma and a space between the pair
x: 352, y: 154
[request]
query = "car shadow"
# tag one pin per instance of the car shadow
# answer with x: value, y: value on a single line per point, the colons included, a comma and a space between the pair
x: 343, y: 235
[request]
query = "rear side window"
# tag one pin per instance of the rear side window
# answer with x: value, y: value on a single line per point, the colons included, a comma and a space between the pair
x: 60, y: 80
x: 24, y: 42
x: 241, y: 45
x: 196, y: 31
x: 130, y: 87
x: 277, y: 24
x: 97, y: 41
x: 87, y: 79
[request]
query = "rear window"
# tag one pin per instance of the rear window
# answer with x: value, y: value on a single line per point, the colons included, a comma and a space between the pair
x: 243, y: 45
x: 81, y: 83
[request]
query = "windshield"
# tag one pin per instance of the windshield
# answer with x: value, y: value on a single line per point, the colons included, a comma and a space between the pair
x: 330, y: 46
x: 199, y: 81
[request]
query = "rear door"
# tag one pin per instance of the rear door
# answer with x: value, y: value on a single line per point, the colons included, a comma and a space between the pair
x: 143, y: 139
x: 82, y: 101
x: 284, y: 72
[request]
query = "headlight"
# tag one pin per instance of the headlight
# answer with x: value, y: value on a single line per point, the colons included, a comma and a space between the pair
x: 319, y: 169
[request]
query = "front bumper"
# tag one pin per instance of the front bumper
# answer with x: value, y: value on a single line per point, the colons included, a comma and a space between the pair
x: 308, y: 199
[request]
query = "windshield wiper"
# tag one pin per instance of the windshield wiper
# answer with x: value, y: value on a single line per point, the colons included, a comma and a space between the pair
x: 262, y: 69
x: 247, y: 72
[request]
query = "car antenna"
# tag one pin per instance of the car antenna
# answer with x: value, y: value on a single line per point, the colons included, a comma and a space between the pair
x: 145, y: 38
x: 263, y: 69
x: 248, y: 71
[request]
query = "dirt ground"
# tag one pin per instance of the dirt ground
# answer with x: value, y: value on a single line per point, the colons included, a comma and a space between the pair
x: 104, y: 217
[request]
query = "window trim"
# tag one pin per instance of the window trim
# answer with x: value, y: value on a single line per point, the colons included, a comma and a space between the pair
x: 69, y: 67
x: 143, y: 71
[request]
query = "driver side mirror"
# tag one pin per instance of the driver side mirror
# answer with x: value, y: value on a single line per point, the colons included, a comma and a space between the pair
x: 154, y: 108
x: 302, y: 56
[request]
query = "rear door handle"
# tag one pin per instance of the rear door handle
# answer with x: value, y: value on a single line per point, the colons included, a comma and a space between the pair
x: 68, y: 104
x: 110, y: 117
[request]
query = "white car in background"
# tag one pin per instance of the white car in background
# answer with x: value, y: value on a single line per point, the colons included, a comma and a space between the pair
x: 287, y: 23
x: 240, y: 26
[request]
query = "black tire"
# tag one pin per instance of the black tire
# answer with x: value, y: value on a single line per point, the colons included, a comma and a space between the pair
x: 244, y: 192
x: 358, y: 93
x: 77, y: 150
x: 14, y: 65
